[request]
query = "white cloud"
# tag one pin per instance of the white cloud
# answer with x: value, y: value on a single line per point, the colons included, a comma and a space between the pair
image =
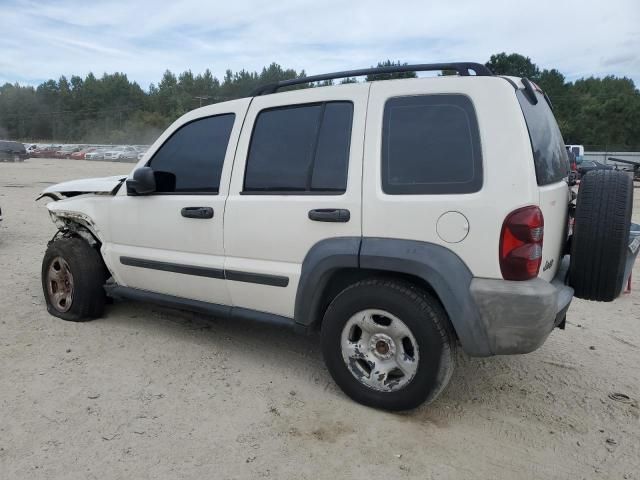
x: 43, y: 40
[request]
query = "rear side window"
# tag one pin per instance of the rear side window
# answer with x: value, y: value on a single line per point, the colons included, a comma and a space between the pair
x: 549, y: 152
x: 191, y: 159
x: 302, y: 148
x: 431, y: 145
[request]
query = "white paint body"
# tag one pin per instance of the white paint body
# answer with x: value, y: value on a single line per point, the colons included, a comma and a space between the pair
x: 87, y: 185
x: 271, y: 234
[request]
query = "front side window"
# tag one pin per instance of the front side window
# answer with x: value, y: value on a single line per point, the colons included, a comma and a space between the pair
x: 300, y: 148
x: 430, y: 145
x: 191, y: 160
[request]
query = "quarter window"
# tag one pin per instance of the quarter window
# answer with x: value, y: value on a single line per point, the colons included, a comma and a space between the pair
x: 302, y: 148
x: 430, y: 145
x: 549, y: 153
x: 191, y: 159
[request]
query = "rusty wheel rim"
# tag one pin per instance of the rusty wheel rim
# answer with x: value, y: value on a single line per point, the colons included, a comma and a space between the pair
x: 60, y: 284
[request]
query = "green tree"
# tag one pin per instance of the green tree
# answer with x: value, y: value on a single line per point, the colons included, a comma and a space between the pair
x: 513, y: 64
x: 591, y: 111
x: 389, y: 76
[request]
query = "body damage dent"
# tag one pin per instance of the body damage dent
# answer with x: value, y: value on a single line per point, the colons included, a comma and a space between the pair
x: 77, y: 223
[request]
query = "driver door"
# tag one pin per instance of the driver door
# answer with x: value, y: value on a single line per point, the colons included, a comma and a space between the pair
x: 171, y: 241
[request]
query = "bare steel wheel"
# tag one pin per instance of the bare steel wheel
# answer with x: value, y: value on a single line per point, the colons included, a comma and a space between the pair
x: 60, y: 285
x: 388, y: 344
x: 73, y: 275
x: 379, y: 350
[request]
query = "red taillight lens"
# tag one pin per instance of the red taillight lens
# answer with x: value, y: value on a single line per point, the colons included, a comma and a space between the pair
x: 521, y: 244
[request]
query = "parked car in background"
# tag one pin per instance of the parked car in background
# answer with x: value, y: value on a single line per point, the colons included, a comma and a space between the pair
x: 141, y: 151
x: 80, y: 154
x: 12, y: 151
x: 48, y: 151
x: 121, y: 153
x: 590, y: 165
x: 30, y: 147
x: 66, y: 151
x: 578, y: 151
x: 95, y: 154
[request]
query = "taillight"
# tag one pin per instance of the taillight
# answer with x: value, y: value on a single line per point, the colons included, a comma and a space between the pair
x: 521, y: 244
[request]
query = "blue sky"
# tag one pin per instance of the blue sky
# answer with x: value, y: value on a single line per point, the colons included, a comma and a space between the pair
x: 46, y: 39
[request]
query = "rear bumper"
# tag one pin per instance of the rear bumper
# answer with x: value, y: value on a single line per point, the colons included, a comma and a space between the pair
x: 519, y: 316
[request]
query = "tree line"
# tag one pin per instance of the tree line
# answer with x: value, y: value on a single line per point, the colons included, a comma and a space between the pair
x: 603, y: 112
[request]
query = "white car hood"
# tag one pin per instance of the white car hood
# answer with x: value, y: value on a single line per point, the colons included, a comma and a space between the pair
x: 87, y: 185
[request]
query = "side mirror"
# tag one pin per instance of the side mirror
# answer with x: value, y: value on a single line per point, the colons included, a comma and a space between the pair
x: 142, y: 182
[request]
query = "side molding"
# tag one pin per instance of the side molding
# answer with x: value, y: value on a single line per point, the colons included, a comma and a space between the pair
x: 234, y: 275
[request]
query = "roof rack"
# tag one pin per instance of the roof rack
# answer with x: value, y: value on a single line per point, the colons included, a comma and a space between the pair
x: 462, y: 68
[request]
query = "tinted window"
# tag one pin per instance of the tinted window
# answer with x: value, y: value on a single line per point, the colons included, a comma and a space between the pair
x: 430, y: 145
x: 549, y: 153
x: 300, y: 148
x: 191, y: 159
x: 332, y: 153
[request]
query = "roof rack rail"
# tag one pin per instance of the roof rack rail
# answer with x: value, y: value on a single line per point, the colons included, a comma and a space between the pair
x: 462, y: 68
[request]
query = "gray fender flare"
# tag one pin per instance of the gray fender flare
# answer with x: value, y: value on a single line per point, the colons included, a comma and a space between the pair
x: 447, y: 274
x: 322, y: 260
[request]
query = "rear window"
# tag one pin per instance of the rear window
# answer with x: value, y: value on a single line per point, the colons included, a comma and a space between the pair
x: 430, y: 146
x: 549, y: 152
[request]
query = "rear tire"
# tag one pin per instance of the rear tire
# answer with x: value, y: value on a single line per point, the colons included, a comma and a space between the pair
x: 73, y: 275
x: 421, y: 344
x: 601, y: 235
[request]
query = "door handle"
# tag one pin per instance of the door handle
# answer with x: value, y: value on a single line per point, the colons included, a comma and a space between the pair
x: 330, y: 215
x: 197, y: 212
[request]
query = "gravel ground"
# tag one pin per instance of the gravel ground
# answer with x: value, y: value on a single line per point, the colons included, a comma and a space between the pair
x: 147, y: 392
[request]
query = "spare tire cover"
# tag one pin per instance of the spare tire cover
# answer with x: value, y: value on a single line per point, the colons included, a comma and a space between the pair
x: 601, y: 235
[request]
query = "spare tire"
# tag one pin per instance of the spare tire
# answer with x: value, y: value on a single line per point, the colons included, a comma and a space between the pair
x: 601, y: 235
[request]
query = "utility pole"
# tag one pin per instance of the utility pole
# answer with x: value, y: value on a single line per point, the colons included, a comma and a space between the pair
x: 202, y: 97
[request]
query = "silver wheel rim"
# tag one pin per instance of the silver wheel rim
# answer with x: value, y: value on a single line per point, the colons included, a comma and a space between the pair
x: 60, y: 284
x: 379, y: 350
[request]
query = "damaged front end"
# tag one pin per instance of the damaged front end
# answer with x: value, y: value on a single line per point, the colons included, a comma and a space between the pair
x: 79, y: 206
x: 73, y: 188
x: 74, y: 223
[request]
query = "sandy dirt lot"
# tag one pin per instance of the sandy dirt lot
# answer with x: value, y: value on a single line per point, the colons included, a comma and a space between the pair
x: 147, y: 392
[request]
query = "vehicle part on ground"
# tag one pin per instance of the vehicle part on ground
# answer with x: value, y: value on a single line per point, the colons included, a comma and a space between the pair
x: 601, y: 235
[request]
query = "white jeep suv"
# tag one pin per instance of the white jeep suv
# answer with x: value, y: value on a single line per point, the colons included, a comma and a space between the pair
x: 402, y: 218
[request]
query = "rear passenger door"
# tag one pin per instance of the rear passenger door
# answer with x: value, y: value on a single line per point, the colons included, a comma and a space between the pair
x: 423, y: 168
x: 296, y: 181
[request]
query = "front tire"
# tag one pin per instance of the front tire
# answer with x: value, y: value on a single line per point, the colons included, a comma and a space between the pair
x: 73, y: 275
x: 388, y: 344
